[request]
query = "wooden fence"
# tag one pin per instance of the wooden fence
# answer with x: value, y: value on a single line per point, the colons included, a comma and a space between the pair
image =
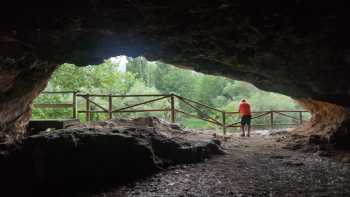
x: 220, y: 119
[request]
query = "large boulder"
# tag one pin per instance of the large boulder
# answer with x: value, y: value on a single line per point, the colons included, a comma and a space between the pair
x: 79, y: 158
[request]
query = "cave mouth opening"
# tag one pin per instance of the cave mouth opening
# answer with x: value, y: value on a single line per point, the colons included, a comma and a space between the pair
x: 280, y: 49
x: 124, y: 75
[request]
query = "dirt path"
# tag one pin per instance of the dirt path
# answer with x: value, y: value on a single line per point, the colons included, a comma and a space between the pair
x: 255, y: 166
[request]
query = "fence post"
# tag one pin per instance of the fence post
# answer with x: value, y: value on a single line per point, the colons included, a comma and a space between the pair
x: 110, y: 107
x: 172, y: 102
x: 224, y: 122
x: 88, y: 118
x: 301, y: 117
x: 74, y: 105
x: 271, y: 119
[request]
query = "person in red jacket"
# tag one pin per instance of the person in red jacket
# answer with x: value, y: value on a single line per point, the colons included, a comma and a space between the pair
x: 245, y: 114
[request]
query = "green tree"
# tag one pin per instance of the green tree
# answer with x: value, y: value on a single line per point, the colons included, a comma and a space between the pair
x: 144, y: 77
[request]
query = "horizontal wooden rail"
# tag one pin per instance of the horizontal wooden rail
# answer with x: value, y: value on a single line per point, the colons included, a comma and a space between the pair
x: 253, y: 112
x: 122, y: 96
x: 125, y: 111
x: 291, y: 111
x: 59, y: 92
x: 145, y: 110
x: 264, y: 125
x: 282, y: 111
x: 47, y: 105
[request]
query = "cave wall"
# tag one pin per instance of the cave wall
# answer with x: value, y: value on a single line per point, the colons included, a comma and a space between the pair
x: 295, y: 47
x: 19, y: 85
x: 330, y: 123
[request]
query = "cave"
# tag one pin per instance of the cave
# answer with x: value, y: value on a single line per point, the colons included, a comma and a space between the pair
x: 297, y: 48
x: 294, y: 47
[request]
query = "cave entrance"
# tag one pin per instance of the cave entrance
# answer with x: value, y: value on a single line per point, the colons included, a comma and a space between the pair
x: 124, y: 87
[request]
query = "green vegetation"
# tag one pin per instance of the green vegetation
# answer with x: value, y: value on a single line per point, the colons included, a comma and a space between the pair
x: 144, y: 77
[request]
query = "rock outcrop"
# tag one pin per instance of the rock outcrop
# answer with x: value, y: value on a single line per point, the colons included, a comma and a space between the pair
x: 21, y: 80
x: 329, y: 123
x: 79, y: 158
x: 295, y: 47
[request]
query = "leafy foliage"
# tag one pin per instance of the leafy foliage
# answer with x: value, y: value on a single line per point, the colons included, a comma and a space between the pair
x: 144, y: 77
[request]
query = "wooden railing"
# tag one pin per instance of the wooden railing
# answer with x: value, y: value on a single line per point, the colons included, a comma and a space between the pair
x: 72, y: 104
x: 220, y: 119
x: 110, y: 111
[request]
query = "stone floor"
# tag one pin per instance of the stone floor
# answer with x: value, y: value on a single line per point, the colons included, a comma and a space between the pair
x: 255, y: 166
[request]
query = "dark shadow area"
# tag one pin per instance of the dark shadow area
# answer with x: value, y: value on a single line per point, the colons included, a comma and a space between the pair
x: 87, y: 158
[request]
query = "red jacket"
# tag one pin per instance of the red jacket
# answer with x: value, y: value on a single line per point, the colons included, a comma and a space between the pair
x: 244, y: 109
